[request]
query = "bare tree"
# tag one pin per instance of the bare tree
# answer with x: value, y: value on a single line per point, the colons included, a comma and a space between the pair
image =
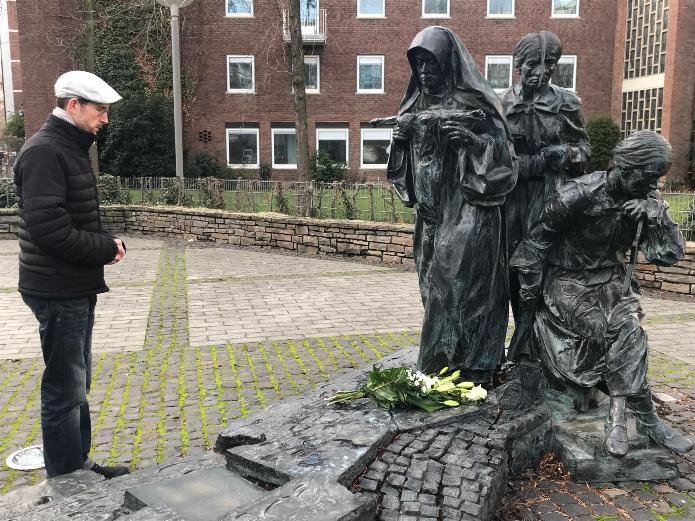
x: 299, y: 89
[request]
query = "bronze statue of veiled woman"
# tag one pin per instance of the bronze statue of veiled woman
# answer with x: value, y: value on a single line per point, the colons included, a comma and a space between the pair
x: 458, y: 172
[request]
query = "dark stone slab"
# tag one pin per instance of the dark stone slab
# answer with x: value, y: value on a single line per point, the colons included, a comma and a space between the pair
x: 220, y: 490
x: 578, y: 443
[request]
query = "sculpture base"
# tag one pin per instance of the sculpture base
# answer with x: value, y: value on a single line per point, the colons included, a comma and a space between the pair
x: 578, y: 439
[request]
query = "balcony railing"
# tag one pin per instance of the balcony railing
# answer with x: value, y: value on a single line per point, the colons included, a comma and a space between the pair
x: 313, y: 28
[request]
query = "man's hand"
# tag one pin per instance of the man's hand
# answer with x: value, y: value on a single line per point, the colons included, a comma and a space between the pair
x: 120, y: 251
x: 400, y: 134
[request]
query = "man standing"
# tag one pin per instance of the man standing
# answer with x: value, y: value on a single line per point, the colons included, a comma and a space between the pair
x: 63, y: 251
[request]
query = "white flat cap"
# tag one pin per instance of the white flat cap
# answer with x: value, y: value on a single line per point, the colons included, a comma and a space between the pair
x: 85, y: 85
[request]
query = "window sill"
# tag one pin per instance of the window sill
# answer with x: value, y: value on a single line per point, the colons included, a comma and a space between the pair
x: 240, y: 91
x: 243, y: 167
x: 500, y: 17
x: 371, y: 17
x: 285, y: 167
x: 370, y: 92
x: 373, y: 167
x: 312, y: 92
x: 238, y: 15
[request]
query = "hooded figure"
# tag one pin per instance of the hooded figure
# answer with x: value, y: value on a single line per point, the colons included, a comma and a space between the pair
x: 549, y: 139
x: 458, y: 174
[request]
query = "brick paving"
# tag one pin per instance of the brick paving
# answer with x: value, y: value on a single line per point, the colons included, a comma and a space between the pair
x: 190, y: 337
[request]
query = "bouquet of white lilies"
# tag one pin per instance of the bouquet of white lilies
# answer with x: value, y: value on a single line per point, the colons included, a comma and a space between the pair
x: 401, y: 386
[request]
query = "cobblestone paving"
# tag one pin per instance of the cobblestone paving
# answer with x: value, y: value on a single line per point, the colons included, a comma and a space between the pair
x: 190, y: 337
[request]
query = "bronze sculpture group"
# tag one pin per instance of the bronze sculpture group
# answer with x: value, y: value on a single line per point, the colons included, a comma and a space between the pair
x: 508, y: 214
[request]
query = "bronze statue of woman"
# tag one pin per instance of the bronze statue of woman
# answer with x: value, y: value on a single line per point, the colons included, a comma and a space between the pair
x: 458, y: 171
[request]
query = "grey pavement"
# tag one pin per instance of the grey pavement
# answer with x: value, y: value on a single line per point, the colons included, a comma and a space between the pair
x: 191, y: 336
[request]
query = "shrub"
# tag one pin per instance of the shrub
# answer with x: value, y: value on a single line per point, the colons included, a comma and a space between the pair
x: 323, y: 168
x: 15, y: 125
x: 111, y: 191
x: 211, y: 192
x: 8, y: 196
x: 173, y: 194
x: 603, y: 136
x: 140, y: 137
x: 205, y: 164
x: 264, y: 171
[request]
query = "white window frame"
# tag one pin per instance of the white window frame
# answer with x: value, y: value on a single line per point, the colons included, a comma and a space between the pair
x: 553, y: 15
x: 317, y: 90
x: 372, y: 15
x: 250, y: 57
x: 447, y: 15
x: 237, y: 130
x: 507, y: 16
x: 383, y: 78
x: 362, y: 133
x: 346, y: 131
x: 237, y: 15
x: 566, y: 58
x: 488, y: 60
x: 285, y: 131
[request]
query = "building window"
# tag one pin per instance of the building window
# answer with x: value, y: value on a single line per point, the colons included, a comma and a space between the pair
x: 240, y: 74
x: 647, y: 35
x: 500, y: 8
x: 240, y: 8
x: 498, y: 72
x: 334, y: 143
x: 566, y: 73
x: 284, y: 148
x: 435, y: 8
x: 565, y: 8
x: 375, y: 144
x: 371, y: 9
x: 242, y: 147
x: 312, y: 79
x: 642, y: 110
x: 370, y: 74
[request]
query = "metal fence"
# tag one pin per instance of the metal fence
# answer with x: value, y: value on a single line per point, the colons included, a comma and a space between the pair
x: 364, y: 201
x: 682, y: 211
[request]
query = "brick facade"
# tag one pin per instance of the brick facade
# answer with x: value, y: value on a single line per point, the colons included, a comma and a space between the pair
x: 209, y: 37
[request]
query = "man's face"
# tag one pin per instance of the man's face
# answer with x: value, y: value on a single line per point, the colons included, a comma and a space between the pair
x: 428, y: 70
x: 638, y: 182
x: 534, y: 73
x: 87, y: 115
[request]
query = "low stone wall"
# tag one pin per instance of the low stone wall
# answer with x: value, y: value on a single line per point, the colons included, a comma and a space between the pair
x: 678, y: 279
x: 372, y: 240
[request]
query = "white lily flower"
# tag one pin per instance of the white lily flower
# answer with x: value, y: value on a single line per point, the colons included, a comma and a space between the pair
x: 476, y: 394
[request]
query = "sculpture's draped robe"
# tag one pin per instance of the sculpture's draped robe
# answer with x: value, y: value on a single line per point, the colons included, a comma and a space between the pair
x: 586, y: 329
x: 553, y: 118
x: 459, y: 241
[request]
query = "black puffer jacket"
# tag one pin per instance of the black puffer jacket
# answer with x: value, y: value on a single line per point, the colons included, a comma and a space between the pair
x: 63, y: 249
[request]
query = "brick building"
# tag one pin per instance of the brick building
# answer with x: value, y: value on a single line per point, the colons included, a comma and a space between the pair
x: 237, y: 52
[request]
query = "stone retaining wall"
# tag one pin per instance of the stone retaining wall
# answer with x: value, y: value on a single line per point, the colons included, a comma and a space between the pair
x: 372, y: 240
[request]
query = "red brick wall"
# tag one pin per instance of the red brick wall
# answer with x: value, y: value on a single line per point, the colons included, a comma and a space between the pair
x: 679, y: 89
x: 42, y: 36
x: 209, y: 37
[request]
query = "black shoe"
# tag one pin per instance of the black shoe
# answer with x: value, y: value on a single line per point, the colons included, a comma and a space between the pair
x: 649, y: 423
x: 112, y: 471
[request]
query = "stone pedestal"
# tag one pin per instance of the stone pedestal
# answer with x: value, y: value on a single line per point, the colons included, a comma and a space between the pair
x: 578, y: 442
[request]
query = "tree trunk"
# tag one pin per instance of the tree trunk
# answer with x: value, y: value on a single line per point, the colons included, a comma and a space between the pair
x: 89, y: 66
x: 299, y: 89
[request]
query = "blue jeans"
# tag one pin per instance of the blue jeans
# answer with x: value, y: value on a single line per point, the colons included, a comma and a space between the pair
x: 65, y: 328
